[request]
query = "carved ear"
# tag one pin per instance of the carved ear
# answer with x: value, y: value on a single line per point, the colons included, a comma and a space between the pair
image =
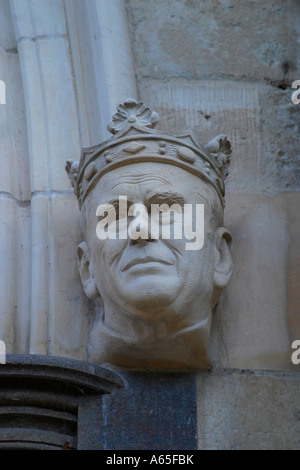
x: 223, y: 258
x: 87, y: 277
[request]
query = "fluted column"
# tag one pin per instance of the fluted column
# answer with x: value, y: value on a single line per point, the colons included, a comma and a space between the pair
x: 66, y: 65
x: 14, y: 196
x: 53, y: 137
x: 103, y: 63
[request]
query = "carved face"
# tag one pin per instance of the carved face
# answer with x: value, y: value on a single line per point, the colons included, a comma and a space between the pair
x: 154, y: 278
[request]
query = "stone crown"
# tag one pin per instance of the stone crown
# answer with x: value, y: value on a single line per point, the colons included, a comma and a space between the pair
x: 134, y: 140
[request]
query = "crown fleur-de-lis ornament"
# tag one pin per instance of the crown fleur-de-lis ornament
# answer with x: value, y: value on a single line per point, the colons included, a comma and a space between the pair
x: 134, y: 139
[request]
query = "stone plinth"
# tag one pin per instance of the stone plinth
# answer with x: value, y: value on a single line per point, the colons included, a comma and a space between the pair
x: 40, y: 397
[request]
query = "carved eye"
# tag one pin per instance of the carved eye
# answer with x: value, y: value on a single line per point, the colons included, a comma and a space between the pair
x: 107, y: 211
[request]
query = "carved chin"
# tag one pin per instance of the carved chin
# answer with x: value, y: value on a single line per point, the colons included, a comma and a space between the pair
x: 148, y: 295
x: 147, y: 300
x: 150, y: 303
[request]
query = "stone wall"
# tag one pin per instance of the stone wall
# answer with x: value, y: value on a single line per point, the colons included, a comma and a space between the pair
x: 227, y: 67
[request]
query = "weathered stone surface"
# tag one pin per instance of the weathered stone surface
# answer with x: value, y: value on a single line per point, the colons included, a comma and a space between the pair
x: 14, y: 174
x: 69, y: 304
x: 104, y: 76
x: 257, y: 317
x: 7, y: 36
x: 15, y: 274
x: 246, y: 410
x: 43, y: 307
x: 58, y: 304
x: 154, y: 411
x: 212, y: 107
x: 280, y: 120
x: 50, y: 110
x: 250, y: 114
x: 225, y: 38
x: 33, y: 18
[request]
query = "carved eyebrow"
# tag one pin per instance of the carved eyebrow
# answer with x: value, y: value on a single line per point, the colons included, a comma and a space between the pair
x: 116, y: 202
x: 166, y: 197
x: 113, y: 202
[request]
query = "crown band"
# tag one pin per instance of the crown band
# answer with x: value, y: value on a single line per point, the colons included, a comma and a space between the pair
x: 134, y: 142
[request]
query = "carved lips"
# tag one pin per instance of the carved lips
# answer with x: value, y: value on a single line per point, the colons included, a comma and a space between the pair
x: 146, y: 260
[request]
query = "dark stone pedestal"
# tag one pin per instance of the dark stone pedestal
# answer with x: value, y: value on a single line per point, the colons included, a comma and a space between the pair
x: 154, y: 411
x: 56, y: 403
x: 40, y: 397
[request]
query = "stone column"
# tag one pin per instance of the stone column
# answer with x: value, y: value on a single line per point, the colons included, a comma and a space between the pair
x: 65, y: 66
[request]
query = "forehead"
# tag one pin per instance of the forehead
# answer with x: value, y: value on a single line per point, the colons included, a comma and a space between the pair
x: 144, y: 179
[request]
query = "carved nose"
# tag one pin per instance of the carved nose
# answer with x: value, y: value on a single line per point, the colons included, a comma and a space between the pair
x: 139, y: 232
x: 142, y: 241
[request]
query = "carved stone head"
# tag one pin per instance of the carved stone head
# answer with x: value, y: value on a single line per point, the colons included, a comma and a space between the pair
x: 155, y: 255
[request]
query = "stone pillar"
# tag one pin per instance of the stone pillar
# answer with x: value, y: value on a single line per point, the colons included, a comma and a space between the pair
x: 59, y: 99
x: 43, y: 401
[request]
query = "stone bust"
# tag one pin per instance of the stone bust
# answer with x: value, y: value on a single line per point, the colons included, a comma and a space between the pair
x: 154, y: 294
